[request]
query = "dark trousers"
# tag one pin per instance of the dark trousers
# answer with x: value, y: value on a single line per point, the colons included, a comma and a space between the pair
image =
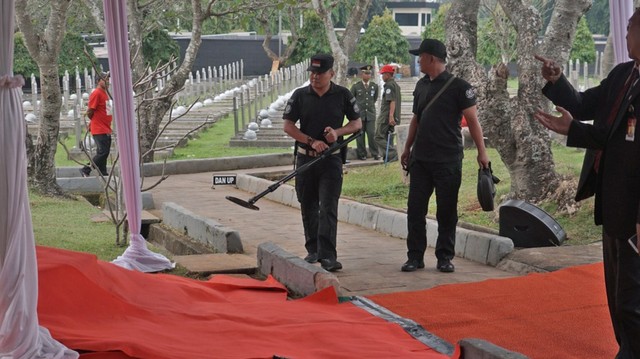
x: 384, y: 142
x: 318, y: 190
x: 103, y: 147
x: 622, y: 281
x: 369, y: 129
x: 445, y: 179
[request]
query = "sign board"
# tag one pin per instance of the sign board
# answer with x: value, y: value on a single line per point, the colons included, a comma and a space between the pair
x: 275, y: 65
x: 225, y: 179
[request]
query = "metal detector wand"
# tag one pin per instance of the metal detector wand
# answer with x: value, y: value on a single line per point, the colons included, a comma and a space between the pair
x: 333, y: 148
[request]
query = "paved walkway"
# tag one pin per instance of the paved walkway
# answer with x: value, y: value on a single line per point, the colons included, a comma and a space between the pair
x: 371, y: 259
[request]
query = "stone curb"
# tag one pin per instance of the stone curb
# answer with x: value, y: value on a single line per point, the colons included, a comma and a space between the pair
x: 300, y: 277
x: 201, y: 229
x: 485, y: 248
x: 481, y: 349
x: 94, y: 185
x: 217, y: 164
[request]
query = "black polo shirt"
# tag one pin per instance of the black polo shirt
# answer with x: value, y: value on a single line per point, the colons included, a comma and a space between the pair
x: 439, y: 138
x: 316, y: 113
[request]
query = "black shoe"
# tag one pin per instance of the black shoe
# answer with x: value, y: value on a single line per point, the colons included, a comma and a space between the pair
x: 311, y: 258
x: 446, y: 266
x: 330, y: 265
x: 376, y: 158
x: 83, y: 173
x: 412, y: 265
x: 362, y: 158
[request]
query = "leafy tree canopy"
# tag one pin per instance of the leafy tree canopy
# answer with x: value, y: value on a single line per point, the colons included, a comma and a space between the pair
x: 71, y: 57
x: 158, y: 47
x: 313, y: 39
x: 384, y: 40
x: 435, y: 29
x: 584, y: 48
x: 496, y: 39
x: 598, y: 17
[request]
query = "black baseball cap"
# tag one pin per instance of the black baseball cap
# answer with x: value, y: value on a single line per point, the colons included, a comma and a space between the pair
x: 431, y: 46
x: 320, y: 63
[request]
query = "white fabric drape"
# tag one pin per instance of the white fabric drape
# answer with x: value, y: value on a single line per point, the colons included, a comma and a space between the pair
x: 20, y: 334
x: 619, y: 14
x: 137, y: 256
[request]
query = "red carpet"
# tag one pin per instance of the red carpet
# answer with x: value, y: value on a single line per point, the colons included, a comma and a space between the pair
x: 109, y: 312
x: 562, y: 314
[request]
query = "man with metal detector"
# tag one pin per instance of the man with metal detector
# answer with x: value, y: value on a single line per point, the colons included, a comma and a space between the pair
x: 321, y: 108
x: 433, y: 154
x: 389, y: 114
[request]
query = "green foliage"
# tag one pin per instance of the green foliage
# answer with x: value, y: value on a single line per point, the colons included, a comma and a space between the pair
x: 435, y: 29
x: 71, y: 56
x: 382, y: 39
x: 496, y: 40
x: 584, y: 48
x: 159, y: 47
x: 313, y: 39
x: 23, y: 64
x: 598, y: 17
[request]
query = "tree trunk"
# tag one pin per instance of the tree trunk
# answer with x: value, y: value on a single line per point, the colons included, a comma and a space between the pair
x: 508, y: 123
x: 44, y: 48
x: 153, y: 112
x: 342, y: 49
x: 293, y: 13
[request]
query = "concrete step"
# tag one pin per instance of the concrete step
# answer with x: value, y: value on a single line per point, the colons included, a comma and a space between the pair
x: 217, y: 263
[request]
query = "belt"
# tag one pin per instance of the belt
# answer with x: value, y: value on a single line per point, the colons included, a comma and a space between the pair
x: 314, y: 153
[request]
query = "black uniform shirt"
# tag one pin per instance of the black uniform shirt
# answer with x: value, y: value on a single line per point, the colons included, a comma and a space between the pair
x: 315, y: 112
x: 439, y: 138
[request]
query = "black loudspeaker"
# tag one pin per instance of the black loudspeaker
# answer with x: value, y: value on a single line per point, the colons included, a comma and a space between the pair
x: 529, y: 226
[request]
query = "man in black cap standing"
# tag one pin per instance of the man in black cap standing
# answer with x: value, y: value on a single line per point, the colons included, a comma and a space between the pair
x: 433, y: 154
x: 321, y: 108
x: 366, y: 93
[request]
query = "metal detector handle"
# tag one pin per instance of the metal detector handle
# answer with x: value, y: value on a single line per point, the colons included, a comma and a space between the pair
x: 329, y: 151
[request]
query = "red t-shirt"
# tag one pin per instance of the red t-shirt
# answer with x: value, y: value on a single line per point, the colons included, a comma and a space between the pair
x: 100, y: 122
x: 463, y: 123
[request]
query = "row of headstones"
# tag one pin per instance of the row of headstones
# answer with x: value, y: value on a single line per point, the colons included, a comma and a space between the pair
x: 218, y: 79
x: 265, y: 117
x: 574, y: 69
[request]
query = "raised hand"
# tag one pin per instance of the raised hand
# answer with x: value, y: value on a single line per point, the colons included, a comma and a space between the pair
x: 550, y: 70
x: 558, y: 124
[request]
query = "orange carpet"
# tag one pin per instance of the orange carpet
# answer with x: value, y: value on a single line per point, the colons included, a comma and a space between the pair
x: 107, y: 312
x: 562, y: 314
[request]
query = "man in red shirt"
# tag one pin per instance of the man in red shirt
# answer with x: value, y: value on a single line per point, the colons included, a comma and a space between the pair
x: 99, y: 125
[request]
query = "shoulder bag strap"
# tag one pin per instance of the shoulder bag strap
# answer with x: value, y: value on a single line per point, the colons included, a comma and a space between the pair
x: 438, y: 94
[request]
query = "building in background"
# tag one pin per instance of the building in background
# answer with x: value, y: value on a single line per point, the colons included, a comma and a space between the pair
x: 413, y: 16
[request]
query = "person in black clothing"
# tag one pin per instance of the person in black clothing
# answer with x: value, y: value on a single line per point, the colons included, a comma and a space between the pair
x: 321, y: 108
x: 433, y: 154
x: 611, y: 171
